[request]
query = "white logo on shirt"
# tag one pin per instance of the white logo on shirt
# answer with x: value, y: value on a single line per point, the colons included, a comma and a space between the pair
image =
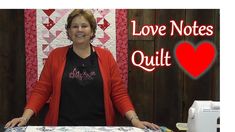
x: 81, y: 75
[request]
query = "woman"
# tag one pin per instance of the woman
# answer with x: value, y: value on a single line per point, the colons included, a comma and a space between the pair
x: 82, y: 82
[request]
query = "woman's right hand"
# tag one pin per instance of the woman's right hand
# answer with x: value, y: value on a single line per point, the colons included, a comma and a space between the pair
x: 21, y: 121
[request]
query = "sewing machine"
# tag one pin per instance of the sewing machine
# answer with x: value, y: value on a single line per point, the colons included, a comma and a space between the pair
x: 203, y: 116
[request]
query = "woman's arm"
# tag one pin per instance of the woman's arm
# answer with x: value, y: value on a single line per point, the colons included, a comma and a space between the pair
x: 134, y: 119
x: 121, y: 98
x: 21, y: 121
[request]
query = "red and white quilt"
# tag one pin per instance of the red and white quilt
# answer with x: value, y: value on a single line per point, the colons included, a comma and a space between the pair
x: 45, y: 31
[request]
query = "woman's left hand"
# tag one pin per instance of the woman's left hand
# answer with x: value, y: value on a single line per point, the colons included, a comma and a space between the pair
x: 144, y: 124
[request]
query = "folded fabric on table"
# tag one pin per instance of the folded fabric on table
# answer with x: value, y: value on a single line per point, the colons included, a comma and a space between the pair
x: 165, y: 129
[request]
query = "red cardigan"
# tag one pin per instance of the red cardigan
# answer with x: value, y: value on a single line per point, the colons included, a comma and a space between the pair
x: 49, y: 86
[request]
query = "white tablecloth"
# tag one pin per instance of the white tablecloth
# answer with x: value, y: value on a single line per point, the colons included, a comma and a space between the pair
x: 77, y: 129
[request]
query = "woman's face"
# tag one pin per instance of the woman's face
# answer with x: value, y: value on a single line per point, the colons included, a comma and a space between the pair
x: 80, y: 30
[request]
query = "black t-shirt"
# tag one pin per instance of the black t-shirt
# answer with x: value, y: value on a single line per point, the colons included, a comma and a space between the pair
x: 82, y: 100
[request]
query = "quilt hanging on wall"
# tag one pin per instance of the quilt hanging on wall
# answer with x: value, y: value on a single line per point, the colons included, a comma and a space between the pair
x: 45, y: 31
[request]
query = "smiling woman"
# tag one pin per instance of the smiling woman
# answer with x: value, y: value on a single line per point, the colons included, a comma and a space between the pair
x: 162, y: 96
x: 87, y: 98
x: 80, y: 32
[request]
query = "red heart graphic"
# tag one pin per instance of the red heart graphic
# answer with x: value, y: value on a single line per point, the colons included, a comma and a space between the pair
x: 195, y: 60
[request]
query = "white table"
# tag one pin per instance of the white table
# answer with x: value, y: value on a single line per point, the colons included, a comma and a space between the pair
x: 77, y: 129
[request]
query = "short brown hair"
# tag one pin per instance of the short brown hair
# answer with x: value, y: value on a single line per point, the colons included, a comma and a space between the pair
x: 87, y: 14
